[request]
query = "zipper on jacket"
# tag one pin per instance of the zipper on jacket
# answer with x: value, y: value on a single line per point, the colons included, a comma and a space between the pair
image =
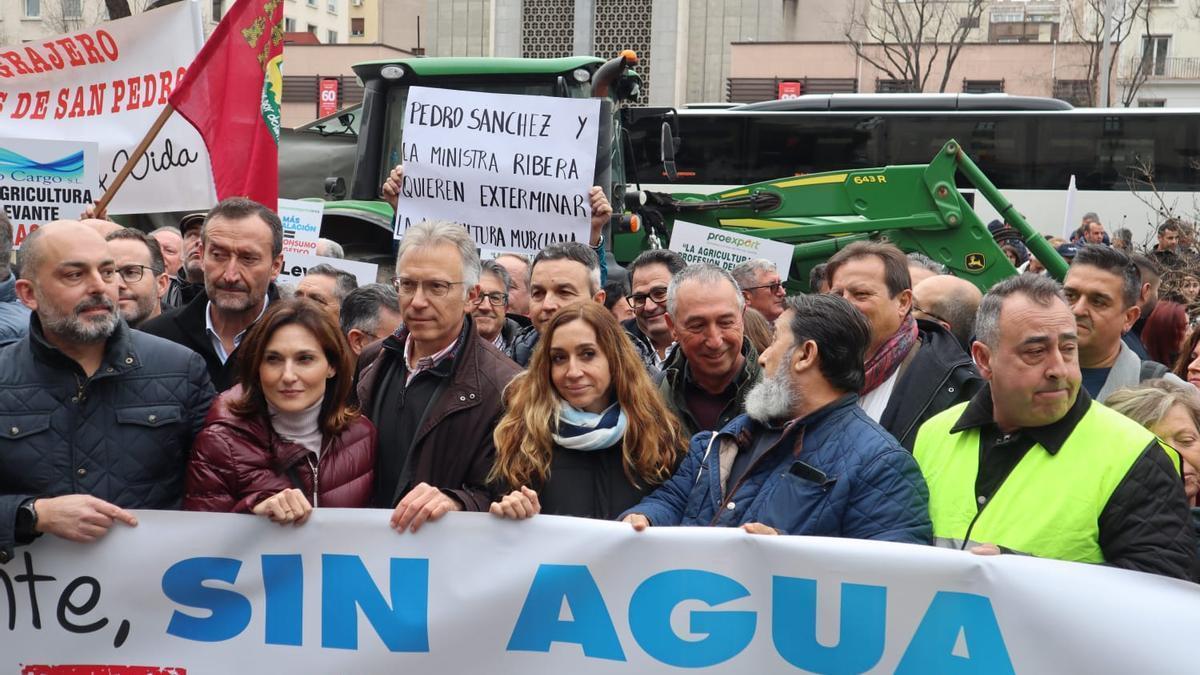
x: 316, y: 479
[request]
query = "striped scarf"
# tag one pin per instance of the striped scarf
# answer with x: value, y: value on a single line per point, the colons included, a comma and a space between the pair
x: 579, y: 430
x: 884, y: 362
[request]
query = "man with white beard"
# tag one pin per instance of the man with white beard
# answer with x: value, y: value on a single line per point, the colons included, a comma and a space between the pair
x: 805, y: 458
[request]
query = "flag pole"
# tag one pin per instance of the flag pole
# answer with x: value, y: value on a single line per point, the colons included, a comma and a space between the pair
x: 136, y: 157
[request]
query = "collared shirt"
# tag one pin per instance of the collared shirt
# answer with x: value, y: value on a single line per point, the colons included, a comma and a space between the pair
x: 218, y: 345
x: 1000, y: 452
x: 876, y: 401
x: 499, y: 341
x: 425, y: 362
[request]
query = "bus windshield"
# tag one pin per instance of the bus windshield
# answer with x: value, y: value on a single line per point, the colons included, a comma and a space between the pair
x: 397, y: 97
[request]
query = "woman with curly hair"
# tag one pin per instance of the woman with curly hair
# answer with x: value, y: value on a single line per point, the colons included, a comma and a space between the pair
x: 584, y: 433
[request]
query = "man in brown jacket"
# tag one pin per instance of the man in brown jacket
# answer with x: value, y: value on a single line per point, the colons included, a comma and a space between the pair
x: 433, y: 389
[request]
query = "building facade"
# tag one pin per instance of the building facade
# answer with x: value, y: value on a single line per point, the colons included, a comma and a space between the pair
x: 329, y: 20
x: 29, y: 20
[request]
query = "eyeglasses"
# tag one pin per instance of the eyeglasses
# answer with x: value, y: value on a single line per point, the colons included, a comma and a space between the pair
x: 775, y: 287
x: 433, y: 288
x: 638, y: 300
x: 132, y: 274
x: 931, y: 315
x: 495, y: 298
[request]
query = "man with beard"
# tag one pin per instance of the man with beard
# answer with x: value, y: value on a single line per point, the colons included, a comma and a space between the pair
x: 98, y: 418
x: 241, y: 252
x: 141, y: 278
x: 805, y: 458
x: 1031, y: 465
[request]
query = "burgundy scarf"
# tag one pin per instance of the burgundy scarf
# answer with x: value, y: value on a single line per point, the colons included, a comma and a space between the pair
x: 885, y: 361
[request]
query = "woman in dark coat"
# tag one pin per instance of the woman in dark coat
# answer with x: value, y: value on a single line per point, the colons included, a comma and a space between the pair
x: 282, y: 441
x: 585, y: 433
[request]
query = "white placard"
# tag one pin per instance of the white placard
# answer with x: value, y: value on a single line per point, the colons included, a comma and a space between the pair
x: 301, y: 225
x: 42, y: 181
x: 107, y: 84
x: 727, y: 249
x: 295, y: 265
x: 469, y: 593
x: 515, y: 170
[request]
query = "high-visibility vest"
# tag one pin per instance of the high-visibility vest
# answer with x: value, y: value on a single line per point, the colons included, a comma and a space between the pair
x: 1050, y: 505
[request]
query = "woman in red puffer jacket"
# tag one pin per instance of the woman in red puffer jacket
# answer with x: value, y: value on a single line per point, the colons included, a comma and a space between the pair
x: 282, y: 441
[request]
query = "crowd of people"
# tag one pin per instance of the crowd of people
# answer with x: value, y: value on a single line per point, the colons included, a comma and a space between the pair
x: 892, y: 402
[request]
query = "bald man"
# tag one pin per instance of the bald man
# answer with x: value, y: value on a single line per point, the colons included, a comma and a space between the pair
x: 950, y: 301
x: 101, y: 417
x: 101, y: 227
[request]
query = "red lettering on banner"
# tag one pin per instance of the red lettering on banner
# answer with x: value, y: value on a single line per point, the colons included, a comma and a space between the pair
x: 118, y: 95
x: 22, y: 232
x: 3, y: 99
x: 39, y: 64
x: 40, y: 106
x: 89, y: 48
x: 17, y: 64
x: 73, y: 54
x: 56, y: 59
x: 24, y: 103
x: 107, y: 44
x: 91, y: 669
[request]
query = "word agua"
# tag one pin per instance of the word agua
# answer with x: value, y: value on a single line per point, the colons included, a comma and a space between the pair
x: 951, y: 623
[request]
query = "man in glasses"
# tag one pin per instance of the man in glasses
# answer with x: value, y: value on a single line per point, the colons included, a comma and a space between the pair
x: 492, y: 319
x: 142, y: 280
x: 650, y: 274
x: 761, y: 286
x: 433, y: 389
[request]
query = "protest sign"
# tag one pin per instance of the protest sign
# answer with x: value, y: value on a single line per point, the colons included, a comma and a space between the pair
x: 107, y: 84
x: 223, y: 593
x: 727, y: 249
x: 42, y: 181
x: 301, y: 225
x: 295, y: 266
x: 515, y: 170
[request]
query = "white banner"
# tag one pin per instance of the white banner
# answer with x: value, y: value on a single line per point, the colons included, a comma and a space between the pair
x: 515, y: 170
x: 205, y: 593
x: 42, y: 181
x: 295, y: 266
x: 107, y: 84
x: 727, y: 249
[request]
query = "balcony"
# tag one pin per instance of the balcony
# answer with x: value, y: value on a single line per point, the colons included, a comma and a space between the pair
x: 1169, y: 68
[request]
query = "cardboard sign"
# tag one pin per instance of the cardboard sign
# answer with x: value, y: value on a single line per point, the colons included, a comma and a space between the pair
x: 42, y: 181
x: 295, y: 266
x: 515, y: 170
x: 727, y: 249
x: 301, y: 225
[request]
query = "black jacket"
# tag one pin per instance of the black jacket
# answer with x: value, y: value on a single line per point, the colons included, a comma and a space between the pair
x: 123, y: 435
x: 939, y: 376
x: 187, y: 326
x: 520, y: 348
x: 588, y: 484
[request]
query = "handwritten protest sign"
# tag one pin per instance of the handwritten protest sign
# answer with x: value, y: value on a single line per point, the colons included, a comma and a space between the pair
x: 727, y: 249
x: 301, y: 225
x: 515, y: 170
x: 295, y: 266
x: 43, y: 181
x: 107, y: 84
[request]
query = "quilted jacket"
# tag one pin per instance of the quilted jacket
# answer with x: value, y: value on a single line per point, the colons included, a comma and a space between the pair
x: 123, y: 435
x: 841, y: 476
x: 238, y: 462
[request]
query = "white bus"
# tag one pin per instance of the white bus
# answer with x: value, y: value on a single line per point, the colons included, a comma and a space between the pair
x: 1029, y: 148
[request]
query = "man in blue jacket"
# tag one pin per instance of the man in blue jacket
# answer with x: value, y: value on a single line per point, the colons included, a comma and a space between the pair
x: 805, y: 458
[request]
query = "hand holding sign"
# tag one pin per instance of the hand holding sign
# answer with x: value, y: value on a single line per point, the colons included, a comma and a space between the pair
x: 391, y: 186
x: 284, y: 507
x: 601, y: 213
x: 81, y: 518
x: 517, y: 505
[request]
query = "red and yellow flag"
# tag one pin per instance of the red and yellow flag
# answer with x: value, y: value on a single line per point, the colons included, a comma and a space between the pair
x: 231, y: 94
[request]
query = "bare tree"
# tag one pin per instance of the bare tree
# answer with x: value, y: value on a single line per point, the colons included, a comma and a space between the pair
x: 1143, y: 65
x: 1087, y: 22
x: 903, y: 38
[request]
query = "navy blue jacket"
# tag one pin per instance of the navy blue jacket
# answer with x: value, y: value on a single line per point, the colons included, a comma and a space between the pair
x: 843, y: 476
x: 14, y: 316
x: 123, y: 435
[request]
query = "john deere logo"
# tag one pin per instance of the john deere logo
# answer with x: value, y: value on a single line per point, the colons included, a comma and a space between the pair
x: 975, y: 261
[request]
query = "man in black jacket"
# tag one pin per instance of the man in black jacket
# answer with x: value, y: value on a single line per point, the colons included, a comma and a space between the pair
x: 915, y: 368
x: 241, y: 246
x: 96, y: 418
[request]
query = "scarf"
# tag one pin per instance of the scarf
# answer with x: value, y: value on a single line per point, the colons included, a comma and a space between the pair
x: 884, y: 362
x: 580, y: 430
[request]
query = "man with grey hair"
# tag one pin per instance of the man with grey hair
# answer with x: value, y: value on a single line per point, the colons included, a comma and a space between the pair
x: 713, y: 366
x: 14, y: 316
x: 760, y: 283
x: 99, y: 417
x: 1030, y: 464
x: 330, y: 249
x: 369, y: 314
x: 327, y: 286
x: 518, y: 271
x: 434, y: 388
x: 491, y: 314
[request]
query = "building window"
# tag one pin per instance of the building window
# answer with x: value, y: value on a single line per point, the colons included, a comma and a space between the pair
x: 312, y: 3
x: 72, y: 9
x: 358, y: 27
x: 1152, y: 102
x: 216, y: 10
x: 332, y: 7
x: 331, y: 37
x: 1154, y: 53
x: 312, y: 29
x: 33, y: 8
x: 289, y: 25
